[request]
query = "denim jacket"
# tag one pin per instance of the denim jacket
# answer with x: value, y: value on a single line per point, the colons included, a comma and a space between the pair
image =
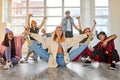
x: 64, y: 20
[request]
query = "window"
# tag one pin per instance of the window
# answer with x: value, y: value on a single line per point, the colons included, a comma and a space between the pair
x: 53, y: 13
x: 72, y: 3
x: 36, y: 3
x: 21, y: 8
x: 18, y: 15
x: 101, y: 3
x: 36, y: 8
x: 54, y: 3
x: 54, y: 10
x: 74, y: 7
x: 102, y: 15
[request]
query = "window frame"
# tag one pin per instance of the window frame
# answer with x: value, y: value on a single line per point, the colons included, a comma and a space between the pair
x: 103, y: 17
x: 82, y: 9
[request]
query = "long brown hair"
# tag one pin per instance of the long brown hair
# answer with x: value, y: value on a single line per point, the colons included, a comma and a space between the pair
x: 62, y: 38
x: 85, y: 29
x: 6, y: 43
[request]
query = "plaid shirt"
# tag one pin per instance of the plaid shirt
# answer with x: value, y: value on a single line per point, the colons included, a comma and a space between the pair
x: 109, y: 47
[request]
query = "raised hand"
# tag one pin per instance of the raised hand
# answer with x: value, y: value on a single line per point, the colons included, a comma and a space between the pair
x: 45, y: 17
x: 30, y: 15
x: 94, y: 22
x: 26, y: 28
x: 78, y: 17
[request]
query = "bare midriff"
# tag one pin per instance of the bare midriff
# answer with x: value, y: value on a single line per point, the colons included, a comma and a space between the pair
x: 60, y: 50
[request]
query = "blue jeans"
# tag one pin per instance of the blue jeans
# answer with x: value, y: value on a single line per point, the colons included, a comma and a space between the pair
x: 35, y: 56
x: 60, y: 57
x: 14, y: 60
x: 7, y: 56
x: 60, y: 60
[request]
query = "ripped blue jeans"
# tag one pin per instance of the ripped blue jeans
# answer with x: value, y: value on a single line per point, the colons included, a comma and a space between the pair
x: 60, y: 57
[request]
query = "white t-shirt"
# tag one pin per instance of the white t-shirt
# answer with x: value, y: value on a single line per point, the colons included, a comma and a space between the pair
x: 68, y: 25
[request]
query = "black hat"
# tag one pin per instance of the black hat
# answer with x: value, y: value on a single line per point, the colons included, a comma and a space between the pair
x: 101, y: 33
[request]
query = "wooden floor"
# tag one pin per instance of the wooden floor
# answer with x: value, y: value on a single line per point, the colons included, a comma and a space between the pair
x: 73, y: 71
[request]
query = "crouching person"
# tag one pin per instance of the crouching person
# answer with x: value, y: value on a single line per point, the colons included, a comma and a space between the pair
x: 105, y: 49
x: 11, y: 49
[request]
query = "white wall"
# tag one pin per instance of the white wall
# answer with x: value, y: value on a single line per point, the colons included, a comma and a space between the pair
x: 2, y: 25
x: 0, y: 11
x: 2, y: 31
x: 115, y: 20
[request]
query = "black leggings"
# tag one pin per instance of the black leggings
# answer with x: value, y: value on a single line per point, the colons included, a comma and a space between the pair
x: 104, y: 57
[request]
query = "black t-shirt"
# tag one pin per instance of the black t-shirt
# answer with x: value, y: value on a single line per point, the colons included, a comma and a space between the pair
x: 85, y: 39
x: 34, y: 30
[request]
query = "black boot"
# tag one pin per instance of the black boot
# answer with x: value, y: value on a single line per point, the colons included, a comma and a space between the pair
x: 112, y: 66
x: 87, y: 61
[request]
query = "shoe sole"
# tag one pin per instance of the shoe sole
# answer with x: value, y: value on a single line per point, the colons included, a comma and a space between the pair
x: 111, y: 68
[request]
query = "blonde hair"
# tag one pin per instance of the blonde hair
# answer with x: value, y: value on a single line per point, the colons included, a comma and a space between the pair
x: 62, y: 38
x: 33, y: 22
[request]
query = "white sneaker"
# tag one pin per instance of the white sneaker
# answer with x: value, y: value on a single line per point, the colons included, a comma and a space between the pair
x: 8, y: 65
x: 82, y: 59
x: 2, y: 61
x: 26, y: 36
x: 23, y: 61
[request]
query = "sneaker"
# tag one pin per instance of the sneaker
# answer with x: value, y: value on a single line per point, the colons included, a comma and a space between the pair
x: 25, y: 58
x: 112, y: 66
x: 2, y: 61
x: 82, y: 59
x: 87, y: 61
x: 23, y: 61
x: 8, y: 65
x: 35, y: 60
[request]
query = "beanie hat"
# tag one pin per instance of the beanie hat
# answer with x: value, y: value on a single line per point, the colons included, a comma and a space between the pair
x: 7, y: 30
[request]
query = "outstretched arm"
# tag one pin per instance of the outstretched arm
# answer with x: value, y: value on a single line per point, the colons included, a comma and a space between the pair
x: 93, y: 27
x: 76, y: 27
x: 35, y: 36
x: 76, y: 39
x: 42, y: 23
x: 61, y: 24
x: 39, y: 38
x: 79, y: 24
x: 109, y: 39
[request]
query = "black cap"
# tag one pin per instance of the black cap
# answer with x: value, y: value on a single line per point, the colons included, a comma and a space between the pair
x: 101, y: 33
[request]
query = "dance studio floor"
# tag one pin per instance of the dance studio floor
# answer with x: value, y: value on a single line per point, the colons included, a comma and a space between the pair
x: 73, y: 71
